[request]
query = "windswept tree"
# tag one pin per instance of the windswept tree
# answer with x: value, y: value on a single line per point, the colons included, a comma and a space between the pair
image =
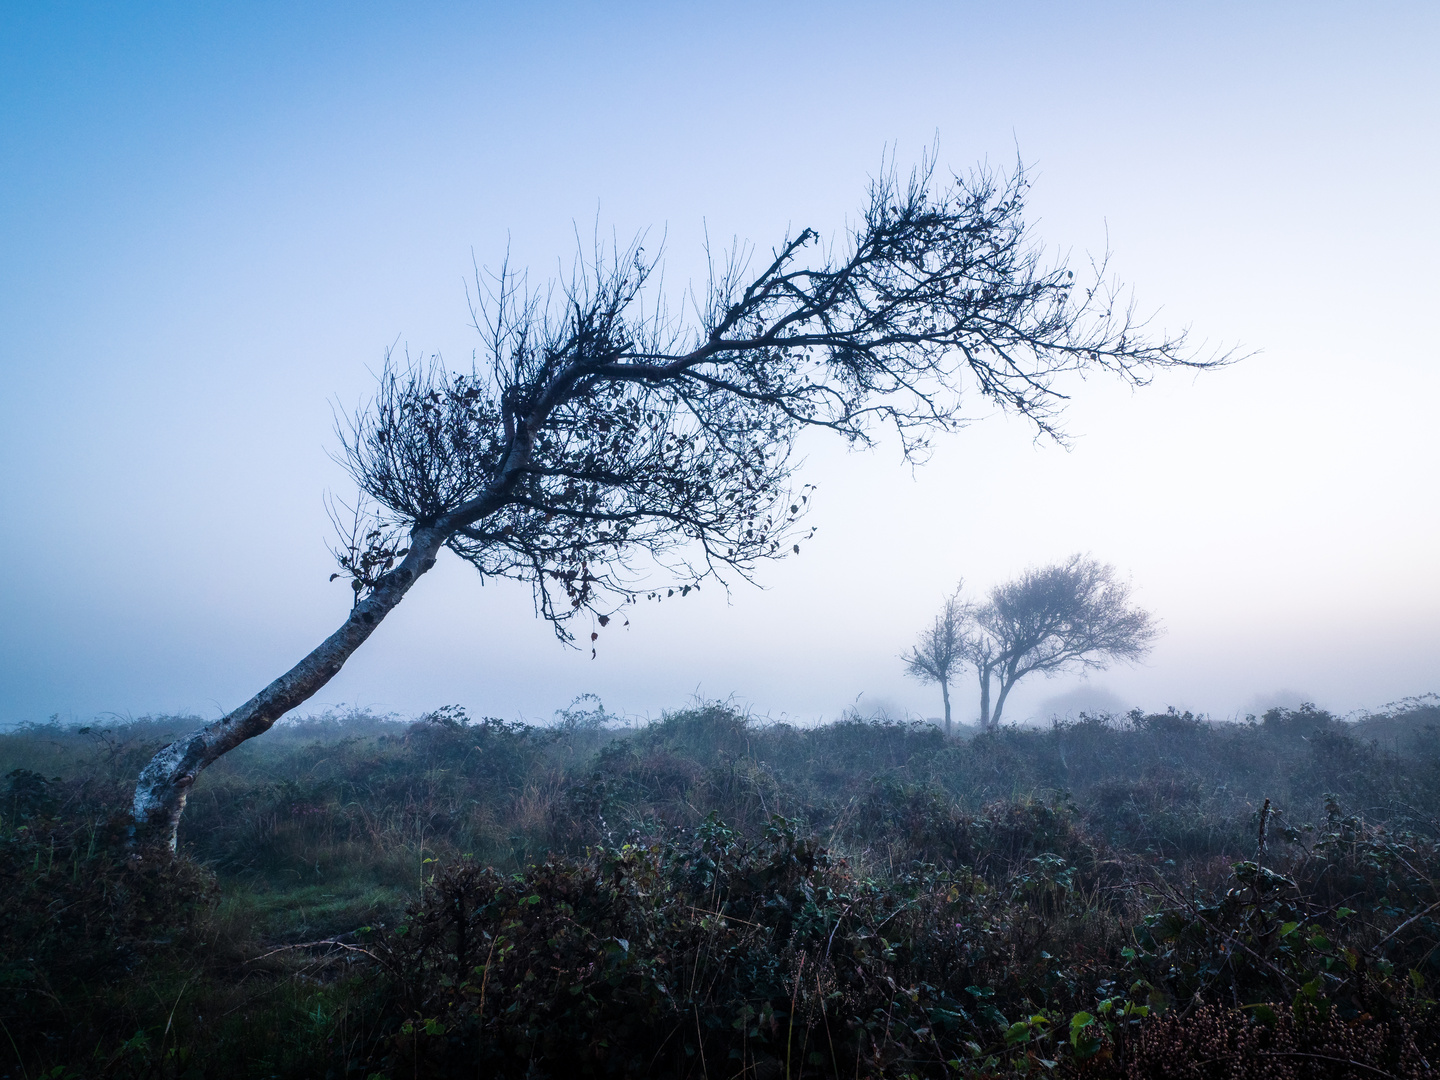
x: 1074, y: 615
x: 604, y: 448
x: 940, y: 653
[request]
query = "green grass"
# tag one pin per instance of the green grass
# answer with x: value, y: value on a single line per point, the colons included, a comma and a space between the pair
x: 310, y: 912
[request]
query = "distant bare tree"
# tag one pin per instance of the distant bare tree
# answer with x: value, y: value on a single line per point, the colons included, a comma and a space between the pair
x: 939, y: 654
x: 602, y: 443
x: 1075, y: 614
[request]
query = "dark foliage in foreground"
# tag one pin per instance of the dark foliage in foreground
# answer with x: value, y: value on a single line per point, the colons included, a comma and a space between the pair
x: 699, y: 952
x: 709, y: 897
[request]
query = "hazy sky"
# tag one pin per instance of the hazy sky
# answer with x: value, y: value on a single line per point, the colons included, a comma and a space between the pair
x: 215, y: 218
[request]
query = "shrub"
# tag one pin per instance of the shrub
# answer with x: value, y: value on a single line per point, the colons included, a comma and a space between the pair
x: 80, y: 913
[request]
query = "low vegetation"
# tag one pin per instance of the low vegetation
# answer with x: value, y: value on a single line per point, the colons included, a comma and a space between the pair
x: 709, y: 896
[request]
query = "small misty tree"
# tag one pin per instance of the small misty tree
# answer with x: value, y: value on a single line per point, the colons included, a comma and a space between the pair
x: 1072, y: 615
x: 940, y: 652
x: 604, y: 449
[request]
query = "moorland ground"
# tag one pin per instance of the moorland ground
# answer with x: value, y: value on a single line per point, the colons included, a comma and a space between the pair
x: 711, y: 896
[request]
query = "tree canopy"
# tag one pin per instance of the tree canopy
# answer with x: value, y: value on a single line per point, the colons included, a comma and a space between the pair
x: 1072, y: 615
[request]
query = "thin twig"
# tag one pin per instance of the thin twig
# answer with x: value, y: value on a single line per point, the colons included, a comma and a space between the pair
x: 831, y: 939
x: 790, y: 1030
x: 315, y: 944
x: 820, y: 993
x: 1406, y: 923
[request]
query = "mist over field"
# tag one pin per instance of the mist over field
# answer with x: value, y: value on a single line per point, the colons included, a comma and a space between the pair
x: 217, y: 223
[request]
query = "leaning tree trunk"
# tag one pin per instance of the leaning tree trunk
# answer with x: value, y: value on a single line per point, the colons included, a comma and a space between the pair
x: 945, y: 693
x: 1005, y: 684
x: 984, y: 673
x: 164, y: 784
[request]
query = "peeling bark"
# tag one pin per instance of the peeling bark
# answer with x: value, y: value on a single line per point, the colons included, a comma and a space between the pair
x: 164, y: 784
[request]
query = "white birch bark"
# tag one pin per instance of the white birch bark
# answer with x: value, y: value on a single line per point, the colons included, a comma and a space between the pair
x: 164, y: 784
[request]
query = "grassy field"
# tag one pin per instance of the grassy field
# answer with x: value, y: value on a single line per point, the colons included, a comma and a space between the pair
x: 710, y: 896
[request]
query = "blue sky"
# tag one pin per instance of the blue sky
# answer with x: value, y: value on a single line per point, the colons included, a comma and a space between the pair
x: 214, y: 219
